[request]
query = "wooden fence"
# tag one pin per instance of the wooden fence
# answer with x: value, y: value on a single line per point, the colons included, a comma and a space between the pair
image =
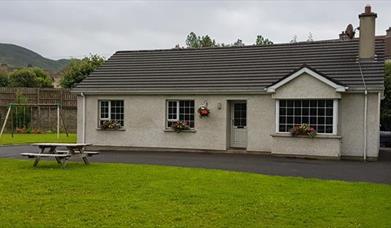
x: 38, y: 96
x: 41, y: 107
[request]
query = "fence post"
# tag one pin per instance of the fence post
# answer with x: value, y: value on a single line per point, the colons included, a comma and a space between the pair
x: 58, y: 121
x: 39, y: 108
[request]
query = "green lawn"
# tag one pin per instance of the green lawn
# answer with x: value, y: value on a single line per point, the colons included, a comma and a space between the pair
x: 6, y: 139
x: 114, y: 195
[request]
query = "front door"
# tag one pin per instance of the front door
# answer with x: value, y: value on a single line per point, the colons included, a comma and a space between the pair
x: 239, y: 124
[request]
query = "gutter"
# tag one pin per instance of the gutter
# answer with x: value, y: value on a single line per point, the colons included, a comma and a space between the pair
x: 171, y: 92
x: 200, y: 92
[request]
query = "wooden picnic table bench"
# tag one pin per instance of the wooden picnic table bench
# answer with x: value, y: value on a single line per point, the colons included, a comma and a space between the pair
x: 61, y: 156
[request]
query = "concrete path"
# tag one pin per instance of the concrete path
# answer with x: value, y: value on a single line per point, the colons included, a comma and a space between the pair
x: 377, y: 172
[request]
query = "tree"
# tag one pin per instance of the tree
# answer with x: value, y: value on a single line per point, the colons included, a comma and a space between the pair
x: 294, y: 39
x: 310, y: 38
x: 239, y: 43
x: 30, y: 77
x: 4, y: 82
x: 261, y: 41
x: 194, y: 41
x: 206, y: 41
x: 386, y: 103
x: 79, y: 69
x: 43, y: 78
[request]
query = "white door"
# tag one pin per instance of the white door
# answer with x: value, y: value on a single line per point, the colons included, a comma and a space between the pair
x: 239, y: 124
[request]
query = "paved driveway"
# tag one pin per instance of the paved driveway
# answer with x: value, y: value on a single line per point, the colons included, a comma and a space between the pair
x: 379, y: 172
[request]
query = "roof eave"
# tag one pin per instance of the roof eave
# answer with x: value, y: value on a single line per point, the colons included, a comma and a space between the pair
x: 166, y: 92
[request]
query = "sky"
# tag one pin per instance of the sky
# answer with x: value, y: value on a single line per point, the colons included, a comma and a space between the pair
x: 69, y: 28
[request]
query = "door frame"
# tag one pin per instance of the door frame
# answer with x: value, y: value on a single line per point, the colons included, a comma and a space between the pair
x: 230, y: 123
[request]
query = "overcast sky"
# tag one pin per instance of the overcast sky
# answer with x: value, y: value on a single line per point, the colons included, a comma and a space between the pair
x: 63, y: 29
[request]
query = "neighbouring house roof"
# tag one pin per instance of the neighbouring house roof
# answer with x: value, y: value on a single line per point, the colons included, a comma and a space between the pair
x: 248, y: 69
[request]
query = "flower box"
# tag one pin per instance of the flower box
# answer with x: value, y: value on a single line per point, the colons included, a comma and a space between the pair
x: 110, y: 125
x: 179, y: 126
x: 303, y: 129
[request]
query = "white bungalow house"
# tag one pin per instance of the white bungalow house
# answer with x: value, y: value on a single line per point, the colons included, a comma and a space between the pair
x: 255, y: 95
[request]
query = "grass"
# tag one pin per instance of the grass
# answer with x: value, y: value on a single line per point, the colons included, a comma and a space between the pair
x: 6, y: 139
x: 112, y: 195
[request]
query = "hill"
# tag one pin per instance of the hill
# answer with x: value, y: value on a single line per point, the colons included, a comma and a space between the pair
x: 17, y: 56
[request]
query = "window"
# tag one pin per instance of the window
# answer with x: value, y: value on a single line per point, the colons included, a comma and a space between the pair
x: 240, y: 115
x: 111, y: 110
x: 182, y: 110
x: 319, y: 114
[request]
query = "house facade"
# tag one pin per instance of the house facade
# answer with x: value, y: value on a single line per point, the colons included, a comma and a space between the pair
x: 255, y: 95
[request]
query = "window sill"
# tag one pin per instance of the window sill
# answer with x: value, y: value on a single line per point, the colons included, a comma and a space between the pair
x: 184, y: 131
x: 321, y: 136
x: 100, y: 129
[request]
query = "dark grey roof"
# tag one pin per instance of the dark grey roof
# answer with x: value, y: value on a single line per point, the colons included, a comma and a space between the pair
x: 232, y: 69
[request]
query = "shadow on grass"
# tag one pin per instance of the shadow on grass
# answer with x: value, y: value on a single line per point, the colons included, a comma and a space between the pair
x: 50, y: 165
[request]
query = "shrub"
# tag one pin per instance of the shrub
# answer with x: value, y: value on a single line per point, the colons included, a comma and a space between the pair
x: 30, y: 77
x: 4, y: 82
x: 21, y: 130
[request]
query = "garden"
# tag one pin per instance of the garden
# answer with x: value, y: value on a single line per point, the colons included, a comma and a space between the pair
x: 147, y: 195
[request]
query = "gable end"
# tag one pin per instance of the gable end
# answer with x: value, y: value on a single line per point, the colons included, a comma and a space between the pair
x: 310, y: 72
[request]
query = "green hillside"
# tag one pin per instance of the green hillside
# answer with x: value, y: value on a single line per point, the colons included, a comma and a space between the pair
x: 16, y: 56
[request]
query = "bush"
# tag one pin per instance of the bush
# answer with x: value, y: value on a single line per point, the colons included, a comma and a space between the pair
x: 36, y: 131
x: 30, y: 77
x: 4, y: 82
x: 21, y: 130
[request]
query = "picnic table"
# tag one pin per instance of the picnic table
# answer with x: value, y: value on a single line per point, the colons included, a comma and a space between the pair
x: 61, y: 156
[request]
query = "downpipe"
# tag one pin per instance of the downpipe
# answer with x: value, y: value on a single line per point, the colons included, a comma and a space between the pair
x: 365, y: 123
x: 84, y: 118
x: 365, y: 112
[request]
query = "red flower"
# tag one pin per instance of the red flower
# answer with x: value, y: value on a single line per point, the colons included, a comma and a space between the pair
x: 203, y: 111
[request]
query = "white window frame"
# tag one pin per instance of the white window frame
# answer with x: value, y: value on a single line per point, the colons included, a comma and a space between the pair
x: 335, y: 116
x: 109, y: 110
x: 177, y: 111
x: 100, y: 110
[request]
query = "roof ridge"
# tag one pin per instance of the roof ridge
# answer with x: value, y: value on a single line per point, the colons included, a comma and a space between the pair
x: 249, y: 46
x: 240, y: 47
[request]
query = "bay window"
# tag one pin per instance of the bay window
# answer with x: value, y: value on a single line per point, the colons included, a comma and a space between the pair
x: 320, y: 114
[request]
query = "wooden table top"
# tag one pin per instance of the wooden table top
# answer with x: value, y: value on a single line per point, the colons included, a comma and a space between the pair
x: 62, y: 144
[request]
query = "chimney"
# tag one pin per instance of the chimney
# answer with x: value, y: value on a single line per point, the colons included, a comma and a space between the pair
x: 367, y: 34
x: 387, y: 45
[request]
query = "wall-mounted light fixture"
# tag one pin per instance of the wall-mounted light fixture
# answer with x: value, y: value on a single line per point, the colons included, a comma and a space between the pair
x: 219, y: 106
